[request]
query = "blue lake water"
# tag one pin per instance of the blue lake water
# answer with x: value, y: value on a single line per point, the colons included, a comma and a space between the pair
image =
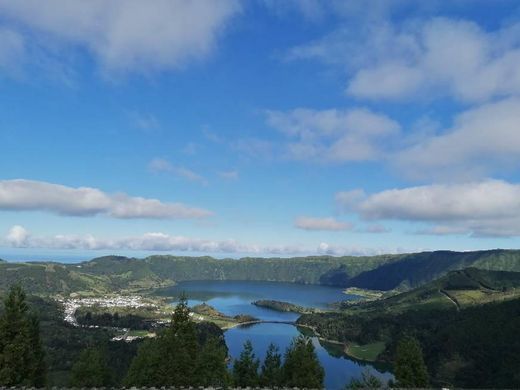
x: 235, y: 297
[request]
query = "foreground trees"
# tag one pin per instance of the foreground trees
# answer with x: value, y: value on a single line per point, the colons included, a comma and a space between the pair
x: 410, y: 370
x: 301, y: 367
x: 176, y: 358
x: 21, y: 352
x: 245, y: 369
x: 271, y: 374
x: 91, y: 369
x: 181, y: 355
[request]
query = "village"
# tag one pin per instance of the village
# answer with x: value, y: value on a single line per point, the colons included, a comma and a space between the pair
x: 160, y: 312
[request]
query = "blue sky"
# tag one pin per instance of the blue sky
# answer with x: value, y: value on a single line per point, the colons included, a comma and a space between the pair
x: 259, y: 127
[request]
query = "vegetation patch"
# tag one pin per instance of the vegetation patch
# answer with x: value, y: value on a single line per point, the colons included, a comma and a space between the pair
x: 368, y: 352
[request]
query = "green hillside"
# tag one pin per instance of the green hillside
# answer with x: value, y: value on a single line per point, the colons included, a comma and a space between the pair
x: 467, y: 323
x: 308, y: 270
x: 50, y: 278
x: 118, y: 273
x: 455, y: 290
x: 416, y: 269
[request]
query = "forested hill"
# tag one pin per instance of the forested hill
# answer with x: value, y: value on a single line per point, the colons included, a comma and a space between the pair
x: 384, y: 272
x: 308, y: 270
x: 419, y: 268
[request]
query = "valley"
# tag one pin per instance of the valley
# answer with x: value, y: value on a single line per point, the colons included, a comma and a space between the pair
x: 353, y: 327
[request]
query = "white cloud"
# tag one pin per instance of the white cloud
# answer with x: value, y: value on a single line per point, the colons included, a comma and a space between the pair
x: 423, y: 58
x: 310, y: 223
x: 340, y: 250
x: 333, y: 135
x: 125, y: 35
x: 161, y: 165
x: 28, y: 195
x: 17, y: 236
x: 481, y: 140
x: 158, y: 241
x: 454, y: 56
x: 487, y: 208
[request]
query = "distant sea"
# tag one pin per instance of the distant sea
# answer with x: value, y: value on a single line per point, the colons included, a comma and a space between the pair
x: 75, y: 256
x: 71, y: 258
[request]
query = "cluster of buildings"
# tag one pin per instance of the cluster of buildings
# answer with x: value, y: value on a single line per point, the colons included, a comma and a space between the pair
x: 72, y: 304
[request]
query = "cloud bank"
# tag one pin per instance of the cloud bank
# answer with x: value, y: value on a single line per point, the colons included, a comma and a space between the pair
x: 28, y: 195
x: 19, y: 237
x: 486, y: 208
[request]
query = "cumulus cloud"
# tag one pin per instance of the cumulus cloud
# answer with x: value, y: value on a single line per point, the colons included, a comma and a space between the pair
x: 434, y: 57
x: 481, y: 140
x: 158, y: 165
x: 17, y: 236
x: 487, y: 208
x: 333, y: 135
x: 125, y: 35
x: 28, y: 195
x: 158, y: 241
x: 310, y: 223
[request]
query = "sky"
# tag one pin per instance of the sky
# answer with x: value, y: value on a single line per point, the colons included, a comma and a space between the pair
x: 258, y: 128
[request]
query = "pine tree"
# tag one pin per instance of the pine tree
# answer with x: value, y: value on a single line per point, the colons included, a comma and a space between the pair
x: 91, y: 370
x: 212, y: 367
x: 38, y: 369
x: 21, y: 352
x: 271, y: 374
x: 144, y: 369
x: 245, y: 369
x: 301, y: 366
x: 180, y: 348
x: 410, y: 370
x: 172, y: 358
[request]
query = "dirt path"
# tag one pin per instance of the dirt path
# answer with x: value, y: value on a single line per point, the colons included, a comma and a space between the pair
x: 453, y: 300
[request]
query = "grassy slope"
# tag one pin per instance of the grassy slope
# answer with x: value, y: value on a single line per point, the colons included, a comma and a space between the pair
x: 444, y: 331
x: 44, y: 278
x: 461, y: 288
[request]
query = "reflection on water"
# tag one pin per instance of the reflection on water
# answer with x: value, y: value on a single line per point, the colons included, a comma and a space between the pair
x: 235, y: 297
x: 339, y: 369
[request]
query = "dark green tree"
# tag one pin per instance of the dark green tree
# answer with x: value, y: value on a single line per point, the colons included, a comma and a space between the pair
x: 245, y: 368
x: 175, y: 358
x: 301, y: 367
x: 410, y: 370
x: 179, y: 348
x: 91, y: 369
x: 271, y: 373
x: 21, y: 351
x: 212, y: 367
x: 144, y: 370
x: 367, y: 381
